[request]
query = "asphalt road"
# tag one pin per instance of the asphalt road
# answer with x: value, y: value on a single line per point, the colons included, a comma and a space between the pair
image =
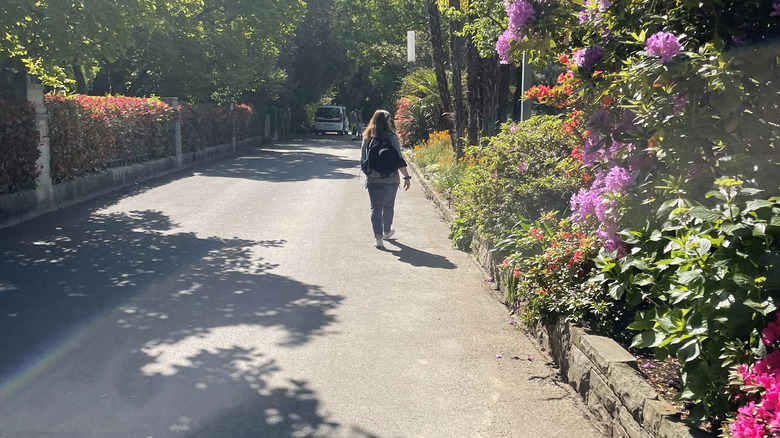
x: 244, y: 298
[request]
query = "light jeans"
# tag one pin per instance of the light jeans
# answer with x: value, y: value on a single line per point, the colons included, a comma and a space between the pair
x: 382, y: 198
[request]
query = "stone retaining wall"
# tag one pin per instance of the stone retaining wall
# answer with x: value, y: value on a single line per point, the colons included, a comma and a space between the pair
x: 604, y: 374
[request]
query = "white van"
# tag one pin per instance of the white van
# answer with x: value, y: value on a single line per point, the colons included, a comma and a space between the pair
x: 331, y: 118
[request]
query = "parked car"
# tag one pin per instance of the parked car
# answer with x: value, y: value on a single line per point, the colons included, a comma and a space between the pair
x: 331, y: 118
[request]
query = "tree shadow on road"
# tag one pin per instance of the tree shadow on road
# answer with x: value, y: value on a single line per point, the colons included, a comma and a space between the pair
x: 282, y: 164
x: 416, y: 257
x: 166, y: 321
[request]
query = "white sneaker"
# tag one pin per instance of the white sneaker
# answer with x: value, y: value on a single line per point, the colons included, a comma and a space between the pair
x: 389, y: 234
x: 379, y: 244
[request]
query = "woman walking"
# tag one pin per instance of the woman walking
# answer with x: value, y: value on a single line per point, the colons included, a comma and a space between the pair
x: 382, y: 188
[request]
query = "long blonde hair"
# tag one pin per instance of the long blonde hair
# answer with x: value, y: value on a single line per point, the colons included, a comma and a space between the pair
x: 381, y: 124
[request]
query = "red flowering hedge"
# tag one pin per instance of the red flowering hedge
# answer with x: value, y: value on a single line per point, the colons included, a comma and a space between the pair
x: 18, y: 146
x: 205, y: 125
x: 89, y: 133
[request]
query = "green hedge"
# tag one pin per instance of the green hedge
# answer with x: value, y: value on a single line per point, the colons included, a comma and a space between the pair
x: 204, y: 125
x: 89, y: 134
x: 526, y: 170
x: 18, y: 146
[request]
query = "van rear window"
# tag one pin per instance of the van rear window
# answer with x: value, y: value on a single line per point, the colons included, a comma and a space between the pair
x: 328, y: 113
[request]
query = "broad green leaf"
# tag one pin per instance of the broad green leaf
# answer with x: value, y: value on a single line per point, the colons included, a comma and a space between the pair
x: 666, y: 324
x: 757, y: 204
x: 643, y: 279
x: 705, y: 213
x: 743, y: 281
x: 689, y: 277
x: 616, y: 290
x: 640, y: 325
x: 647, y: 339
x: 689, y: 351
x: 765, y: 308
x: 674, y: 261
x: 679, y: 296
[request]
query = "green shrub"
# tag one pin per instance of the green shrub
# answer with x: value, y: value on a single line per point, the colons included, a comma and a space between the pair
x: 204, y: 125
x: 547, y: 272
x: 524, y: 171
x: 89, y: 134
x: 18, y: 146
x: 702, y: 287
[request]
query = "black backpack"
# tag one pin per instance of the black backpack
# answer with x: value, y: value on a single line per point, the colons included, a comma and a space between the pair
x: 381, y: 157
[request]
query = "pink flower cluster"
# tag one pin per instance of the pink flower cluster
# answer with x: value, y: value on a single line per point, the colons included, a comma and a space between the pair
x: 592, y: 10
x: 518, y: 12
x: 762, y: 419
x: 664, y: 45
x: 502, y: 46
x: 588, y: 57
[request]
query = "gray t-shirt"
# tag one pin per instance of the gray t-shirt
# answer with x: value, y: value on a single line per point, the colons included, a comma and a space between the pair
x: 394, y: 178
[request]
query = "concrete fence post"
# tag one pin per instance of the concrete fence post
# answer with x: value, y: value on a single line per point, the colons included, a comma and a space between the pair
x: 267, y: 130
x: 233, y: 119
x: 43, y: 183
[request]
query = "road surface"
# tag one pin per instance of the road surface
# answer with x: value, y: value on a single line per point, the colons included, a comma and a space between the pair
x: 244, y: 298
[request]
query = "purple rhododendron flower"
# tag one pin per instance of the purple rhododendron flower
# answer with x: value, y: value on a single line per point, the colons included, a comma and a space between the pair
x: 519, y: 12
x: 523, y: 167
x: 618, y: 179
x: 680, y: 103
x: 593, y: 153
x: 776, y: 7
x: 607, y: 233
x: 502, y: 46
x: 599, y: 121
x: 627, y: 123
x: 593, y: 9
x: 602, y: 207
x: 664, y: 45
x: 584, y: 203
x: 587, y: 58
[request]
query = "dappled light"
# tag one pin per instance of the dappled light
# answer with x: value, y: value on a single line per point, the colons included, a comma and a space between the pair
x: 176, y: 315
x: 287, y: 162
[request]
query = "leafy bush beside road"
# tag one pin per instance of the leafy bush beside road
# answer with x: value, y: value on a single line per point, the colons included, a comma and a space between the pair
x: 526, y: 170
x: 18, y: 146
x: 89, y: 134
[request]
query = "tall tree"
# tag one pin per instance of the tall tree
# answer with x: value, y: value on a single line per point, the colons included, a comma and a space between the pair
x: 437, y: 54
x: 374, y: 36
x: 201, y: 50
x: 456, y: 57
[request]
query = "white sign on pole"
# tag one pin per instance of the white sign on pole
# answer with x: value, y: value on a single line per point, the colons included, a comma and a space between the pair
x: 410, y: 46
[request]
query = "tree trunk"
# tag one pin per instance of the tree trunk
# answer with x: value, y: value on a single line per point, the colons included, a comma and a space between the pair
x: 456, y: 44
x: 81, y: 83
x: 518, y: 98
x: 437, y: 53
x: 504, y: 79
x: 472, y: 92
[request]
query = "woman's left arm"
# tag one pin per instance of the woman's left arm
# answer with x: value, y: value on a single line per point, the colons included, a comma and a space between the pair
x: 404, y: 171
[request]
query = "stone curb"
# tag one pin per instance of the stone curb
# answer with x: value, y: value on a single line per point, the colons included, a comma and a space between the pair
x: 20, y: 206
x: 598, y: 368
